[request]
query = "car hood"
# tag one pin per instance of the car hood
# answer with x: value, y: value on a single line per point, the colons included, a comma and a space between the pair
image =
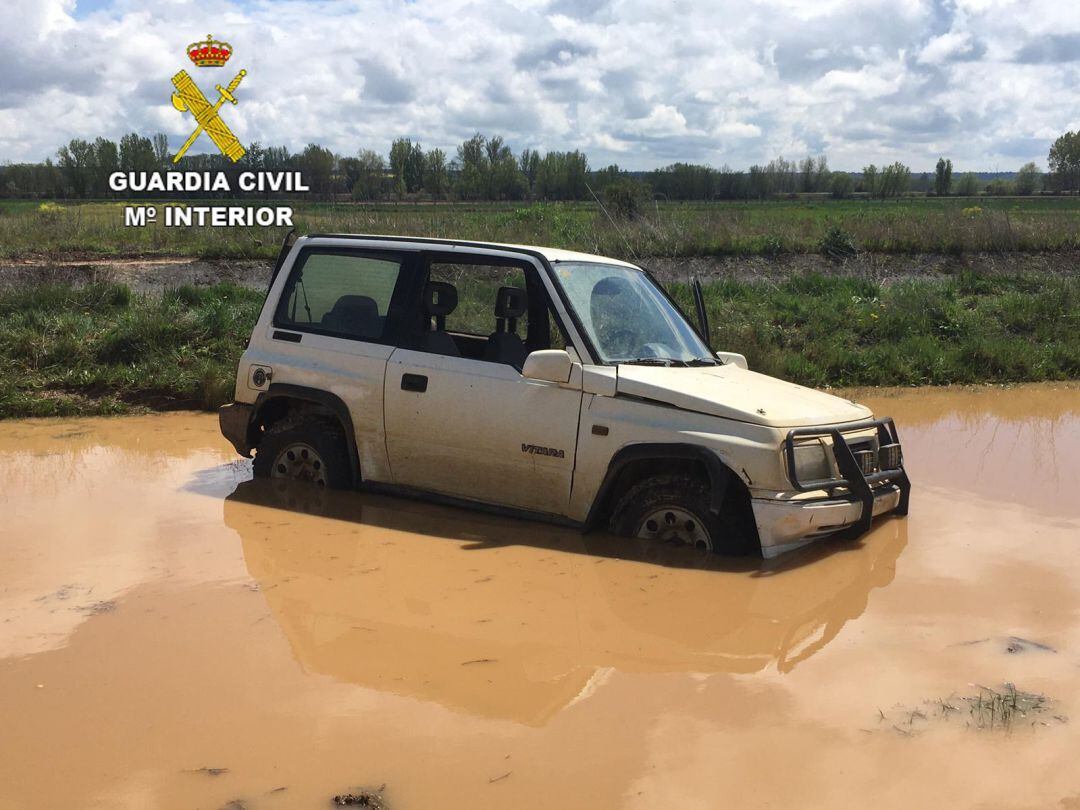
x: 732, y: 392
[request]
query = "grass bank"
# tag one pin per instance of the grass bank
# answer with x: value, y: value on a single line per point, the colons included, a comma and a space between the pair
x: 950, y: 226
x: 102, y: 349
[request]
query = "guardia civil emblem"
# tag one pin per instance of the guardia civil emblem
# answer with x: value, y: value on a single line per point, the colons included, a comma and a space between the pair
x: 188, y: 97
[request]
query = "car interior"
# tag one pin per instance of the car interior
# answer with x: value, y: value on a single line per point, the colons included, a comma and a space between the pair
x: 521, y: 325
x: 354, y: 315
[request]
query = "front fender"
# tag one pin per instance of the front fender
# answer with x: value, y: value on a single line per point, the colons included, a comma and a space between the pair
x: 719, y: 474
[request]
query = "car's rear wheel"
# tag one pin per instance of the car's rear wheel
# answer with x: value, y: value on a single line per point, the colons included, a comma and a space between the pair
x: 674, y: 509
x: 312, y: 452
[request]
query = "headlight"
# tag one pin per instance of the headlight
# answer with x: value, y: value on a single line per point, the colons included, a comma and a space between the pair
x: 812, y: 463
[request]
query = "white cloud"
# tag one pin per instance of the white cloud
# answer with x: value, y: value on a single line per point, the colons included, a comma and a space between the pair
x: 987, y: 82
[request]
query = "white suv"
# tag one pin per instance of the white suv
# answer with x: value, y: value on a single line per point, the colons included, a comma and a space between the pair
x: 548, y: 384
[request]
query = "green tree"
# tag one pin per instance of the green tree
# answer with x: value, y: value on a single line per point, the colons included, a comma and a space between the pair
x: 841, y: 185
x: 370, y: 175
x: 106, y: 161
x: 473, y: 162
x: 870, y: 179
x: 401, y: 153
x: 435, y: 176
x: 137, y: 154
x: 943, y: 177
x: 414, y: 169
x: 814, y: 174
x: 1064, y: 162
x: 76, y: 162
x: 895, y: 180
x: 968, y: 186
x: 562, y: 176
x: 1028, y: 179
x: 530, y: 163
x: 317, y: 163
x: 160, y: 142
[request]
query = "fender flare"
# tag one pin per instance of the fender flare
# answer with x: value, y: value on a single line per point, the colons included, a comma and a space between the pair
x: 335, y: 404
x: 719, y: 473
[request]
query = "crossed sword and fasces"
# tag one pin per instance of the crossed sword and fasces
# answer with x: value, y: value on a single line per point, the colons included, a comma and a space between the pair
x: 188, y: 96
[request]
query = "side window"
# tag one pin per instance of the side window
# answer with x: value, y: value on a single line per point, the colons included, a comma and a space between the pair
x: 477, y: 287
x: 340, y: 293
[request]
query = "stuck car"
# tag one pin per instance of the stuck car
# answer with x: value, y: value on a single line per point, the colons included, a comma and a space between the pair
x: 544, y: 383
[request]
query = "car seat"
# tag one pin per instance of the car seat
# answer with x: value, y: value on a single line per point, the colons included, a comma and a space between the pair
x: 354, y: 315
x: 504, y: 345
x: 440, y: 299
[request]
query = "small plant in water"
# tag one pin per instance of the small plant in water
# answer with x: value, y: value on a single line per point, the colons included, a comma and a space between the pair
x: 986, y: 710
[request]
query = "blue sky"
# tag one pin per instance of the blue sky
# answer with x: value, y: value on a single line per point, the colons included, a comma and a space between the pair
x: 989, y: 83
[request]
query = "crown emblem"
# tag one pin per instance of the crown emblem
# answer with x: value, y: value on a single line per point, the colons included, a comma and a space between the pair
x: 210, y: 52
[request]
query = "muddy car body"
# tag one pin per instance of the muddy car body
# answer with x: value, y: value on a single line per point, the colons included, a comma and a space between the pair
x: 549, y: 384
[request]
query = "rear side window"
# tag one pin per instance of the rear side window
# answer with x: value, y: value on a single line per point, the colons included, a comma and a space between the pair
x: 341, y: 294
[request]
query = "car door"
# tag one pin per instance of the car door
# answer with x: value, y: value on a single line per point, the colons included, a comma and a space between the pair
x: 335, y: 327
x: 460, y: 418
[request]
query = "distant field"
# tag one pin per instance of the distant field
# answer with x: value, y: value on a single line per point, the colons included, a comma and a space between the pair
x: 669, y: 229
x: 100, y: 348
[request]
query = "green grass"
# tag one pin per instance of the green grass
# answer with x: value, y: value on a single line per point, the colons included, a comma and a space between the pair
x: 840, y: 331
x: 101, y: 349
x: 915, y: 225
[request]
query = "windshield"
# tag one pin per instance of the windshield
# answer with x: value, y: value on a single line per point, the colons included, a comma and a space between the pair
x: 626, y: 317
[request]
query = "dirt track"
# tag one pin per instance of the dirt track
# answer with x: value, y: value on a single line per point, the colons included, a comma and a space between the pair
x: 173, y: 635
x: 156, y: 274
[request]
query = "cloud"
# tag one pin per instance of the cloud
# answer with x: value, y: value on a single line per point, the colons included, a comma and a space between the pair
x: 981, y: 81
x: 1050, y: 49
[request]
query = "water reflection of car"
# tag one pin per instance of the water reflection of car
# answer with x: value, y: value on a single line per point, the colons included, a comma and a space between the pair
x: 367, y: 592
x: 549, y: 383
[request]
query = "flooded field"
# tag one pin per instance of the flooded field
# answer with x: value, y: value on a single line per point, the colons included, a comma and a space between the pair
x: 173, y: 635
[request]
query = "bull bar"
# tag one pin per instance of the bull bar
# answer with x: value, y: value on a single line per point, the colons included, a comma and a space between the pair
x: 852, y: 477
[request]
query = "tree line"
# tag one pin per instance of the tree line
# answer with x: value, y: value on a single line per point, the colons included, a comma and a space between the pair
x: 485, y: 168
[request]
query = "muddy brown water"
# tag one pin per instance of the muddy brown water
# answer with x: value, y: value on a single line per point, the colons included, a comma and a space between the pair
x: 162, y: 617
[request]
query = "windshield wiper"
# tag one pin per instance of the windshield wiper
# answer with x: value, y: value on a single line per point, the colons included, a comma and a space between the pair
x: 703, y: 361
x: 654, y: 361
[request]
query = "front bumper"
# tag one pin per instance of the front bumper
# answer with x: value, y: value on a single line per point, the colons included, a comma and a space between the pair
x: 235, y: 420
x: 787, y: 523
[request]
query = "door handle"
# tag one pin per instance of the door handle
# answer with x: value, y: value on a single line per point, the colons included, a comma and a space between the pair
x: 414, y: 382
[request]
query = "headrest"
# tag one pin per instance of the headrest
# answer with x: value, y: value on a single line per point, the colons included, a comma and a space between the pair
x: 511, y: 302
x: 440, y: 298
x: 355, y: 306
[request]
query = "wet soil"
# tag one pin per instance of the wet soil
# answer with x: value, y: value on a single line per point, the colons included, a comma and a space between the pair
x: 275, y: 648
x: 154, y: 274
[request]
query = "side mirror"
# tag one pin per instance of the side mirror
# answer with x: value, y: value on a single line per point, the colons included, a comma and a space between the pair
x: 548, y: 365
x: 734, y: 358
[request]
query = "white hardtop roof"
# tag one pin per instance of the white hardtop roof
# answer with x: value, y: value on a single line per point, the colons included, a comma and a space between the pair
x: 549, y: 253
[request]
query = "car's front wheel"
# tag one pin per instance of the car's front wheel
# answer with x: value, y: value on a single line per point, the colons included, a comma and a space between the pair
x: 312, y: 452
x: 674, y: 509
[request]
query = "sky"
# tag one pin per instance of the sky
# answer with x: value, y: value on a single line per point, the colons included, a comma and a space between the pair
x: 640, y: 83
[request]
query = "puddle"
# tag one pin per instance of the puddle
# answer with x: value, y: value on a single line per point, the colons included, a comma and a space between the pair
x: 173, y: 635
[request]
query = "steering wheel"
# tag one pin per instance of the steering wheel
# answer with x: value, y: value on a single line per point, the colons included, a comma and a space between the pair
x: 619, y: 341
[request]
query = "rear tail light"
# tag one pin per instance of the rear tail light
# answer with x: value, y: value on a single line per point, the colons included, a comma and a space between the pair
x: 866, y: 460
x: 889, y: 457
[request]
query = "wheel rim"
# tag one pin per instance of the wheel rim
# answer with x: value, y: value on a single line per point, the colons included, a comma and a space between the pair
x: 670, y: 524
x: 300, y: 462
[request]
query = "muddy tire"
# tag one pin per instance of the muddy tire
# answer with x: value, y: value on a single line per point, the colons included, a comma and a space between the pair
x: 674, y: 509
x: 315, y: 452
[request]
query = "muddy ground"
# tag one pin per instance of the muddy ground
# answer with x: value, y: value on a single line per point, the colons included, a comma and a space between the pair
x: 173, y: 635
x: 156, y: 274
